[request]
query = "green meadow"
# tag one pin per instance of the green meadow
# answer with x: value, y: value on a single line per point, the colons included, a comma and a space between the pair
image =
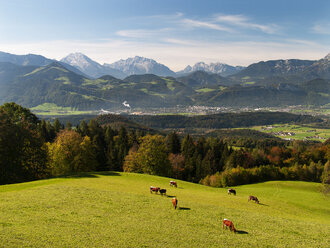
x: 300, y: 132
x: 117, y: 210
x: 51, y: 109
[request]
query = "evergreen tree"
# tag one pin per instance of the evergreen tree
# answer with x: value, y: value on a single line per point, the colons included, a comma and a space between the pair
x: 96, y: 133
x: 22, y: 155
x: 83, y: 128
x: 57, y: 125
x: 68, y: 126
x: 173, y: 143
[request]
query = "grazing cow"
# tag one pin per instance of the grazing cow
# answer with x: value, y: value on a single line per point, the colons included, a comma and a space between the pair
x: 175, y: 202
x: 231, y: 191
x: 173, y: 183
x: 253, y: 198
x: 162, y: 191
x: 154, y: 189
x: 227, y: 223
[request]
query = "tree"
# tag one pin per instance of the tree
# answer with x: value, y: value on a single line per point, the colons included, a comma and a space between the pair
x: 83, y: 129
x: 57, y: 125
x: 173, y: 143
x: 120, y: 149
x: 177, y: 162
x: 18, y: 113
x: 68, y: 126
x: 151, y: 157
x: 71, y: 153
x: 22, y: 154
x: 96, y: 133
x: 326, y: 177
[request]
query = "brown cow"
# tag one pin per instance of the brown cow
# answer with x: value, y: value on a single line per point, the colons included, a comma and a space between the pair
x: 173, y: 183
x: 154, y: 189
x: 175, y: 202
x: 227, y: 223
x: 253, y: 198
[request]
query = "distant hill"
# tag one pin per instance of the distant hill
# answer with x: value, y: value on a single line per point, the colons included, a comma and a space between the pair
x: 117, y: 121
x: 141, y: 65
x: 292, y: 70
x: 275, y: 68
x: 199, y: 79
x: 217, y: 68
x: 33, y: 86
x: 90, y: 67
x: 223, y: 120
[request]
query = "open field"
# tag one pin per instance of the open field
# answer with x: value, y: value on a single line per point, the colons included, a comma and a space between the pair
x: 51, y: 109
x: 117, y: 210
x: 295, y: 132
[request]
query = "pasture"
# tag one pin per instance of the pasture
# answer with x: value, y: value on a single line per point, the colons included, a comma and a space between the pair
x: 117, y: 210
x: 295, y: 132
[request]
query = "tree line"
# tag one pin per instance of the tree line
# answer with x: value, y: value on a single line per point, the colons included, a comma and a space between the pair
x: 33, y: 149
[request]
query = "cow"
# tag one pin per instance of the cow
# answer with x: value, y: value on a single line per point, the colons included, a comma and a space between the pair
x: 162, y: 191
x: 253, y: 198
x: 227, y: 223
x: 172, y: 183
x: 175, y: 202
x: 231, y: 191
x: 154, y: 189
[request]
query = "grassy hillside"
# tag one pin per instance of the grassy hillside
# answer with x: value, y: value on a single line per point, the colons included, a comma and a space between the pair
x: 295, y: 132
x: 117, y: 210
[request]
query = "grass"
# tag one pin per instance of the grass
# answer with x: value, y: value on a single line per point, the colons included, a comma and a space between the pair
x: 65, y: 80
x: 301, y: 132
x: 205, y: 90
x: 51, y: 109
x: 117, y: 210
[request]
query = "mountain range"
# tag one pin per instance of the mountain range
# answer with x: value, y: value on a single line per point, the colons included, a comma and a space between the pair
x: 33, y: 80
x: 215, y: 68
x: 34, y: 60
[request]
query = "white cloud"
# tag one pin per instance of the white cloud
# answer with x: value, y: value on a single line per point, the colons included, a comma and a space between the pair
x: 141, y: 33
x: 203, y: 24
x: 321, y: 28
x: 243, y: 21
x: 179, y: 41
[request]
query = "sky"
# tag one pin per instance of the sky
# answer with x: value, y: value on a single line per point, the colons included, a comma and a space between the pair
x: 176, y: 33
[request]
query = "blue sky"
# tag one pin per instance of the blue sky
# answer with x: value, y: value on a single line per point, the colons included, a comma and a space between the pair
x: 175, y: 33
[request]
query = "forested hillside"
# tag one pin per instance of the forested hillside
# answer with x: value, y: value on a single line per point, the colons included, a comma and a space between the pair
x: 32, y: 149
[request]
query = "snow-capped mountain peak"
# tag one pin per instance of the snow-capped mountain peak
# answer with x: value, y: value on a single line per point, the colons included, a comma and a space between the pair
x: 141, y: 65
x: 90, y: 67
x: 80, y: 60
x: 218, y: 68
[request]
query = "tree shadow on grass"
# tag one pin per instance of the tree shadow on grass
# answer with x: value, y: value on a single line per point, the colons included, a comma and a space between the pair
x: 241, y: 232
x: 92, y: 174
x: 183, y: 208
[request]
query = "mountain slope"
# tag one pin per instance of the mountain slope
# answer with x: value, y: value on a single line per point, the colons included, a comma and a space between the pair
x: 294, y: 70
x: 140, y: 65
x: 199, y: 79
x: 33, y: 60
x: 33, y: 86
